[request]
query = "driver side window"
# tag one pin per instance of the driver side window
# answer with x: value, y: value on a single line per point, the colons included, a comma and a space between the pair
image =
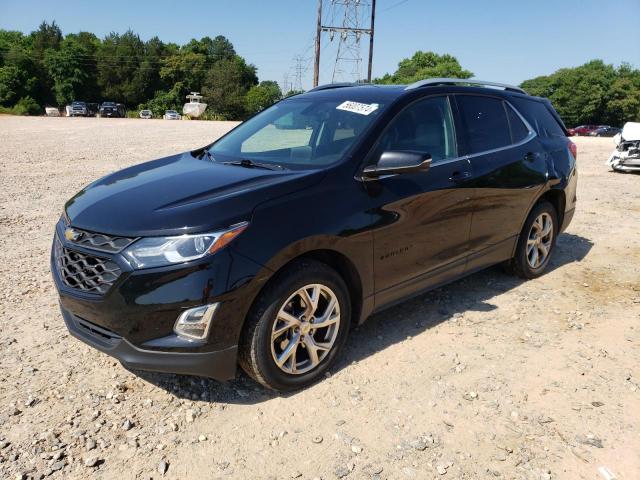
x: 425, y: 126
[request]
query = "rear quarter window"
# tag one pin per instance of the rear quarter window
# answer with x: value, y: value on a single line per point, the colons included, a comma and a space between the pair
x: 539, y: 117
x: 519, y: 131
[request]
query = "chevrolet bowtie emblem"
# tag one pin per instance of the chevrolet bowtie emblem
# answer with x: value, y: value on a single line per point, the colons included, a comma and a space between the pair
x: 72, y: 235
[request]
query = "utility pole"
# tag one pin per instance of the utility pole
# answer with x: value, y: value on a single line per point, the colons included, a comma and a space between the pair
x: 350, y: 31
x: 316, y: 63
x: 372, y: 27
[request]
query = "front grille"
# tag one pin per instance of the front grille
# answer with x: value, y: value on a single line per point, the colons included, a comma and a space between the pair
x: 84, y: 272
x: 101, y: 242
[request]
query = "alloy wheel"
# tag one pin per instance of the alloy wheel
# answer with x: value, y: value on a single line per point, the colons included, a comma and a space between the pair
x: 540, y: 240
x: 305, y: 329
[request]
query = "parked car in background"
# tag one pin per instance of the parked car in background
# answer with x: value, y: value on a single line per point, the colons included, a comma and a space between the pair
x: 79, y: 109
x: 112, y: 109
x: 52, y: 112
x: 583, y: 130
x: 146, y: 114
x: 264, y: 248
x: 605, y: 131
x: 83, y: 109
x: 171, y: 115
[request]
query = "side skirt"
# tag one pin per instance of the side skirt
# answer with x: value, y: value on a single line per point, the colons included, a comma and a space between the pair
x: 437, y: 278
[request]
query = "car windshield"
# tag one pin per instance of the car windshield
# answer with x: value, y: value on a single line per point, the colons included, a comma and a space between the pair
x: 301, y: 132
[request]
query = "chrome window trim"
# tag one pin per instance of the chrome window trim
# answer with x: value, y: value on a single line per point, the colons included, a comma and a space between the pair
x: 531, y: 135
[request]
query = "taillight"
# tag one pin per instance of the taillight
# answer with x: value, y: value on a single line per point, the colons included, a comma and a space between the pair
x: 574, y: 149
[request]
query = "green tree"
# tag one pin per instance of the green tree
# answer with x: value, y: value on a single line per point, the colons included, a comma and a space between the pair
x: 215, y: 49
x: 262, y: 96
x: 120, y: 73
x: 73, y: 69
x: 623, y: 103
x: 9, y: 85
x: 291, y: 93
x: 27, y: 106
x: 48, y: 36
x: 594, y: 93
x: 187, y: 67
x: 163, y: 101
x: 226, y: 85
x: 425, y: 65
x: 20, y: 76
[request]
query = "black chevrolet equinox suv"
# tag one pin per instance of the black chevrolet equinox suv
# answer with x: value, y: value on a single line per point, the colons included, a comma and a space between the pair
x: 263, y: 248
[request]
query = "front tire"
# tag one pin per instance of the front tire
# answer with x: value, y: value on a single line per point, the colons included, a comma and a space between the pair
x: 296, y: 327
x: 536, y: 242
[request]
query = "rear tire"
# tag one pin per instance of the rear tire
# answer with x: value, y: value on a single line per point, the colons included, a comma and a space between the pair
x: 289, y: 343
x: 536, y: 242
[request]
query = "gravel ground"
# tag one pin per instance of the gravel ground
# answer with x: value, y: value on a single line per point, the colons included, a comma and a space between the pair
x: 489, y: 377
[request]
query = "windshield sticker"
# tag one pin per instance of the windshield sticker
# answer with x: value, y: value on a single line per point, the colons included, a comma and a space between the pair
x: 355, y: 107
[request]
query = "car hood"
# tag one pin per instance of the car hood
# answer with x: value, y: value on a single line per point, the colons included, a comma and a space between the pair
x: 179, y: 194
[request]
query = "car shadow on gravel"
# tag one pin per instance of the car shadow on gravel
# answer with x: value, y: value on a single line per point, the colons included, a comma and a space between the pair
x: 393, y: 325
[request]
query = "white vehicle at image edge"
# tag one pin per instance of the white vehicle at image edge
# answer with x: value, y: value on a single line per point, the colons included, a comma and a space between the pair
x: 145, y: 114
x: 171, y: 115
x: 626, y: 156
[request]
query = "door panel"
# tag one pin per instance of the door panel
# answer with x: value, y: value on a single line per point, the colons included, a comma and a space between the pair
x: 424, y: 221
x: 424, y: 217
x: 507, y: 182
x: 509, y: 167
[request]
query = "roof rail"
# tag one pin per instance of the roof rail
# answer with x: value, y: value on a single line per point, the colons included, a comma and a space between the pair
x: 335, y: 85
x: 430, y: 82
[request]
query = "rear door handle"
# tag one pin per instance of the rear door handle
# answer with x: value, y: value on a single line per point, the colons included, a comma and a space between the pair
x: 457, y: 177
x: 530, y: 157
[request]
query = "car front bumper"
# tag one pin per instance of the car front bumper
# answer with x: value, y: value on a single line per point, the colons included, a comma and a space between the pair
x: 134, y: 320
x: 219, y: 365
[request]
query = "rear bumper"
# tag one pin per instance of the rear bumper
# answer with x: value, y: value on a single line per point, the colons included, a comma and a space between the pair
x: 219, y: 365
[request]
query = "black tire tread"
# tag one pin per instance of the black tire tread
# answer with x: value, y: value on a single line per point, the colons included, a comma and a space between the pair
x: 248, y: 348
x: 516, y: 266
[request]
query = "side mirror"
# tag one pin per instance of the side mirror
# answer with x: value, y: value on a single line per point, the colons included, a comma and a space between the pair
x: 396, y: 162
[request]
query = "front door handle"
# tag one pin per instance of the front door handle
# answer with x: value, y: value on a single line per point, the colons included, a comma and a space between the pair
x: 530, y: 157
x: 458, y: 177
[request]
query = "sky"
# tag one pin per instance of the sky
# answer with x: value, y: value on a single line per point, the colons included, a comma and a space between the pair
x: 502, y: 40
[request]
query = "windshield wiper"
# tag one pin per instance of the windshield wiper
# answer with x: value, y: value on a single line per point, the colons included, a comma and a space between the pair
x: 246, y: 163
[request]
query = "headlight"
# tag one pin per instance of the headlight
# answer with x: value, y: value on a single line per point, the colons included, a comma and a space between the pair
x: 158, y: 251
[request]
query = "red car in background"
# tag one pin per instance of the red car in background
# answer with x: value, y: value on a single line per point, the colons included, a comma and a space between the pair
x: 583, y: 130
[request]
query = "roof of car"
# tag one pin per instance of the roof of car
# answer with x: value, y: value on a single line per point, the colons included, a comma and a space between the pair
x: 387, y: 93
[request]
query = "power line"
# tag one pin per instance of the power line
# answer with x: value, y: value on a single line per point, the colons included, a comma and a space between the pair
x: 397, y: 4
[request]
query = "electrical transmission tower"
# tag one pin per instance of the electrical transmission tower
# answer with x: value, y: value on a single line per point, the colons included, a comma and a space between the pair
x: 350, y: 32
x: 300, y: 70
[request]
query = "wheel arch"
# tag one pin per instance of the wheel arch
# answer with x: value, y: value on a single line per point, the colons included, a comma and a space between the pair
x: 335, y: 259
x: 555, y: 197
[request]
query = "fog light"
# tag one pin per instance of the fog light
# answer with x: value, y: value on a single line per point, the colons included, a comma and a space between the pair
x: 195, y: 322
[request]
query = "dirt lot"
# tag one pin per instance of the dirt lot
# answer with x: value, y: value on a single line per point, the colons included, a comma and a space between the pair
x: 489, y: 377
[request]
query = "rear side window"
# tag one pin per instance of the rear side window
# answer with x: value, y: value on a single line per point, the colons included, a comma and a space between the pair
x: 540, y: 118
x: 485, y: 121
x: 519, y: 130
